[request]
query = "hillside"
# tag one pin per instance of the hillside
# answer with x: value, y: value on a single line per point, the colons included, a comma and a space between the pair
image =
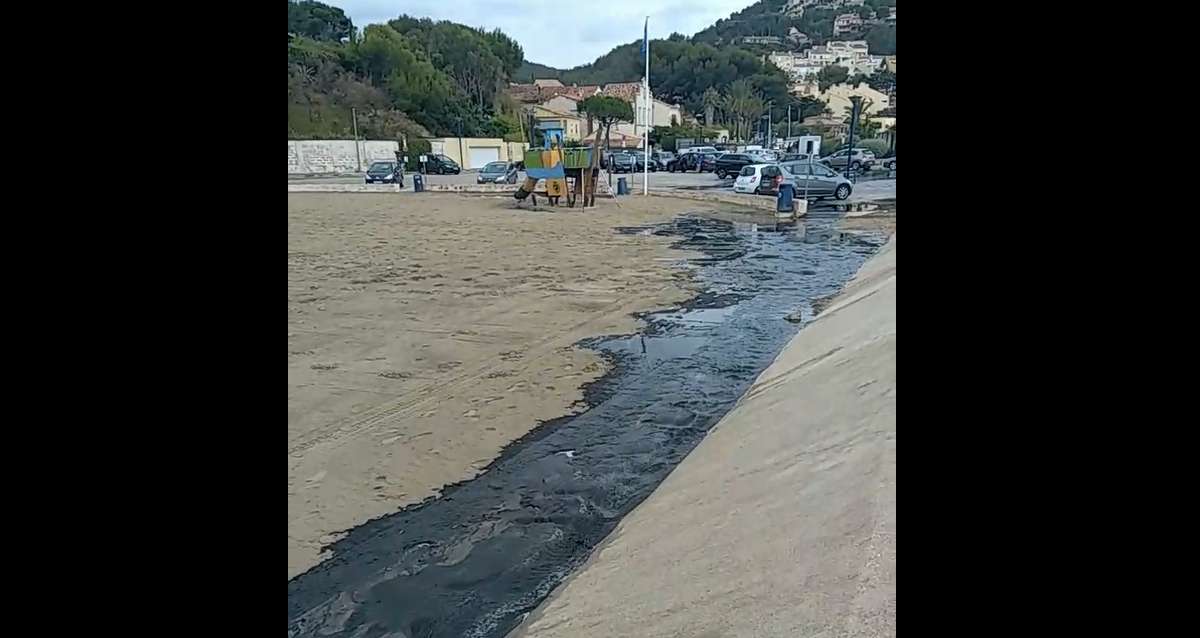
x: 411, y: 77
x: 764, y: 17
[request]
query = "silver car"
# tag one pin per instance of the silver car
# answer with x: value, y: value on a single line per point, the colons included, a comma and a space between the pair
x: 817, y: 180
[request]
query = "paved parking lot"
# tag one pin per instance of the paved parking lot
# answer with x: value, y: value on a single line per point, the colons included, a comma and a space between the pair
x: 876, y: 185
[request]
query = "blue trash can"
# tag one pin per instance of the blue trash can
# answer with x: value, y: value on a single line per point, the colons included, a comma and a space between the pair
x: 783, y: 202
x: 418, y: 183
x: 622, y: 186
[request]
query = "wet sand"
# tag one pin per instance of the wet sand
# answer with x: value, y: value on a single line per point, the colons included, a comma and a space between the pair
x: 426, y: 332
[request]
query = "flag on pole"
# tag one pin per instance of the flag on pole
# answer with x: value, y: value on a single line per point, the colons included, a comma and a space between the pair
x: 646, y: 36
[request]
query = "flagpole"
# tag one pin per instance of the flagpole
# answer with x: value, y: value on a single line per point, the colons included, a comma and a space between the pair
x: 649, y: 102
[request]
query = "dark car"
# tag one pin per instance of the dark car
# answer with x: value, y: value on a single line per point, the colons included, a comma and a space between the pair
x: 620, y: 163
x: 695, y: 161
x: 639, y: 162
x: 498, y: 173
x: 384, y: 172
x: 732, y: 163
x: 662, y: 158
x: 441, y: 165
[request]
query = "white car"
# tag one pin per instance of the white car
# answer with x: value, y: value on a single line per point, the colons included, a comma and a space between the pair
x: 750, y: 178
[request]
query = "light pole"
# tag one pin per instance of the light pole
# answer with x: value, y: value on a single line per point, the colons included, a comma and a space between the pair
x: 357, y: 155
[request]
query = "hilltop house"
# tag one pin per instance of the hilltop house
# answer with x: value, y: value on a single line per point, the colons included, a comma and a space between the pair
x: 847, y: 23
x: 837, y: 98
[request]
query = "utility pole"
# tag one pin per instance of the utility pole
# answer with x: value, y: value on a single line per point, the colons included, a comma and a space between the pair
x: 789, y: 120
x: 770, y: 116
x: 357, y: 154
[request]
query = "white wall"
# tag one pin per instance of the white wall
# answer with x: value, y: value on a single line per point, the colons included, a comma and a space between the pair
x: 336, y: 156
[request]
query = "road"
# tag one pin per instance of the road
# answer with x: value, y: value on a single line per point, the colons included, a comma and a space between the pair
x: 879, y: 185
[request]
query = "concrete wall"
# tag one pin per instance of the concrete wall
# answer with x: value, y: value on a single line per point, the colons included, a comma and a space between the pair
x: 782, y: 522
x: 459, y: 149
x: 336, y: 156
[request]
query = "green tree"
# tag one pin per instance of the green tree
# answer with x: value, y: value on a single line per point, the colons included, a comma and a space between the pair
x: 711, y: 100
x: 881, y: 40
x: 807, y: 106
x: 318, y: 21
x: 606, y: 110
x: 830, y: 75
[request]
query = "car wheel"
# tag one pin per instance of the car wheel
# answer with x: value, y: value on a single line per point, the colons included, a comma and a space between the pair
x: 721, y: 174
x: 842, y: 191
x: 855, y: 166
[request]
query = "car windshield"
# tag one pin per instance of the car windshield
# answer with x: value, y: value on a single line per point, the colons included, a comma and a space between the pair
x: 381, y: 166
x: 445, y: 159
x: 496, y: 167
x: 747, y: 171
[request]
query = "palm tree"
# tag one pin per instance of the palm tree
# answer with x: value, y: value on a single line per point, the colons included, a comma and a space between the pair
x: 865, y: 125
x: 711, y: 100
x: 738, y: 103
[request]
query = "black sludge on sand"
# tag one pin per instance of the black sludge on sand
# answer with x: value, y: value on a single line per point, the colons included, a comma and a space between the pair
x: 473, y: 561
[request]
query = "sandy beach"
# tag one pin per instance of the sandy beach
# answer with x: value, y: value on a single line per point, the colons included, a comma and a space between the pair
x: 426, y: 332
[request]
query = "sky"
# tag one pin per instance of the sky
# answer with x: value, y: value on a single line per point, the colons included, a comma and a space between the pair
x: 556, y: 33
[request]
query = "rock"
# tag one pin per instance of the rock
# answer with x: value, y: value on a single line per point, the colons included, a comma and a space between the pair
x: 794, y: 317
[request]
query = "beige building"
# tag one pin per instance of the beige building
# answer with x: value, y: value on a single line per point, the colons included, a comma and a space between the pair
x: 890, y: 63
x: 475, y: 152
x: 837, y: 98
x: 571, y: 123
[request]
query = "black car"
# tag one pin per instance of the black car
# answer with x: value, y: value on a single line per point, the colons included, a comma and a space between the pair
x: 620, y: 163
x: 732, y: 163
x: 441, y: 165
x: 699, y: 162
x: 639, y: 163
x: 384, y: 172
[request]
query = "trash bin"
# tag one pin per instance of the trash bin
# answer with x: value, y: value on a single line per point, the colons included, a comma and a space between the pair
x: 418, y: 183
x: 783, y: 202
x: 622, y: 186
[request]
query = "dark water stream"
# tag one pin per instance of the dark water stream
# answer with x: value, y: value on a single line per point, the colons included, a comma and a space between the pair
x: 475, y: 560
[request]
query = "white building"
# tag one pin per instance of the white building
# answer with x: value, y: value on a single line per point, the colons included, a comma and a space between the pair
x: 849, y: 54
x: 847, y: 23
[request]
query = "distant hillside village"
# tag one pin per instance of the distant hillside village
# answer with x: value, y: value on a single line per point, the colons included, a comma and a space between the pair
x: 550, y: 103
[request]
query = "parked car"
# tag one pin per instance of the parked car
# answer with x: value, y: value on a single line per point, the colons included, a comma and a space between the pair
x: 759, y: 179
x: 662, y: 158
x: 692, y: 162
x: 794, y: 157
x: 708, y: 161
x: 441, y: 165
x: 817, y: 180
x: 620, y: 163
x: 679, y: 163
x: 890, y: 163
x: 384, y: 172
x: 859, y: 159
x: 732, y: 163
x: 498, y: 173
x: 639, y: 162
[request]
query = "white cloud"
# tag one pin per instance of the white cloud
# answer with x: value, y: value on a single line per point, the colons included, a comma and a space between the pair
x: 561, y: 34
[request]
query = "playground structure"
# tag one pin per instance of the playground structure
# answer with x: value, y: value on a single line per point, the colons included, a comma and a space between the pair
x: 573, y: 172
